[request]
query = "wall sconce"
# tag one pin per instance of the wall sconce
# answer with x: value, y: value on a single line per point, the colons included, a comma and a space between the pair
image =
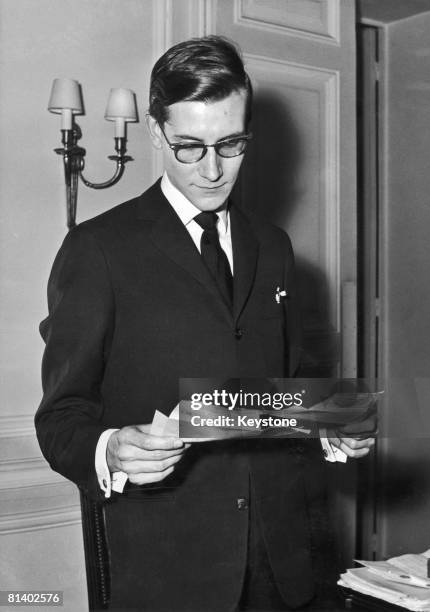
x: 66, y: 100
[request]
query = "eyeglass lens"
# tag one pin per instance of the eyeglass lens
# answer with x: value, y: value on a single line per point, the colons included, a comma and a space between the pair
x: 190, y: 154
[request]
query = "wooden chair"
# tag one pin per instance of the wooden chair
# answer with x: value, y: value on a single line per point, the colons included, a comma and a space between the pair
x: 96, y: 553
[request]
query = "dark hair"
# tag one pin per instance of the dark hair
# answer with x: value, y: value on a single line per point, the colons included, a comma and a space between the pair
x: 201, y: 69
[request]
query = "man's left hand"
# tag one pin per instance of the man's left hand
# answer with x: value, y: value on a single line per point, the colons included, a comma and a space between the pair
x: 353, y: 447
x: 356, y: 439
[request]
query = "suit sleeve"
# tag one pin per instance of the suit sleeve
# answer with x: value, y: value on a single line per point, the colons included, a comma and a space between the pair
x: 77, y: 334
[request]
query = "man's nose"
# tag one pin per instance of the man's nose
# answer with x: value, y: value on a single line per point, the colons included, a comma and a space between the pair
x: 210, y: 166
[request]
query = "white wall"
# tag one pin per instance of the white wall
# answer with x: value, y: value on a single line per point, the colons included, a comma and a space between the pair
x: 102, y: 44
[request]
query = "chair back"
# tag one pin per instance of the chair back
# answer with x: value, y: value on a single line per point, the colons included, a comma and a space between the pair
x: 96, y: 553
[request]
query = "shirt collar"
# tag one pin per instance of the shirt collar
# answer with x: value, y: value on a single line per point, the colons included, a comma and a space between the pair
x: 185, y: 209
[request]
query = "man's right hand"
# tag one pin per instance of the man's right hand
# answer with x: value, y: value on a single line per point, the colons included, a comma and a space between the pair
x: 143, y: 457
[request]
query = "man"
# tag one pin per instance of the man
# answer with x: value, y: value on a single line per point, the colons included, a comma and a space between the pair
x: 179, y: 283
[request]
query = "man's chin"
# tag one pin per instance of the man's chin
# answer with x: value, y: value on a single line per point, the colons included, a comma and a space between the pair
x: 210, y: 202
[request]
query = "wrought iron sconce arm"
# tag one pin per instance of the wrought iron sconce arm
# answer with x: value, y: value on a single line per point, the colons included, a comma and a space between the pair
x: 120, y: 158
x: 74, y: 164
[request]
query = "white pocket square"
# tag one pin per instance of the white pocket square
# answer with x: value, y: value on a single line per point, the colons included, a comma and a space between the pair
x: 280, y: 294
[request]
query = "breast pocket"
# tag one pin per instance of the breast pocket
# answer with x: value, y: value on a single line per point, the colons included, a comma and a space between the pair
x: 268, y: 304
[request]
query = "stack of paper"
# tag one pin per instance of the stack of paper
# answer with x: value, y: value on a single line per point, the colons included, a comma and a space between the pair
x: 402, y: 580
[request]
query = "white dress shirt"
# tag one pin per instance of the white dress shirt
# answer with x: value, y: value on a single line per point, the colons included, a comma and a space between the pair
x: 186, y: 212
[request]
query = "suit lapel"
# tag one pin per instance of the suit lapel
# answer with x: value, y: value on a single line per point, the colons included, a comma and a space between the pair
x: 245, y: 255
x: 172, y: 238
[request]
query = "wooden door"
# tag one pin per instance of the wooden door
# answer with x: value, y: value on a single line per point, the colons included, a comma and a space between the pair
x: 300, y: 170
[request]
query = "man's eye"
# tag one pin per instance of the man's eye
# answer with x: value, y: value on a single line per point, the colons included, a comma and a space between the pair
x: 230, y: 143
x: 189, y: 146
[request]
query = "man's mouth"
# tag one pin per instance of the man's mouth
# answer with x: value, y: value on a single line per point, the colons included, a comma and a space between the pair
x: 211, y: 188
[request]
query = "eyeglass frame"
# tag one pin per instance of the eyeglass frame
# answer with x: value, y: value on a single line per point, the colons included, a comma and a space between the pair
x: 176, y: 146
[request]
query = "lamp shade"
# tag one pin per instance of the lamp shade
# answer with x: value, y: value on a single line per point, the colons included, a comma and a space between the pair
x: 65, y: 95
x: 121, y: 105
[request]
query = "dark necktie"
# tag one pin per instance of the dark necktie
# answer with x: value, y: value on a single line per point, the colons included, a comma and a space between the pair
x: 213, y: 255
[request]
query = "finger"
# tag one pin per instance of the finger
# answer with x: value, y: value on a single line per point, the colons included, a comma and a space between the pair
x: 334, y: 441
x: 357, y: 443
x: 354, y: 453
x: 144, y: 440
x: 152, y: 443
x: 148, y: 467
x: 129, y: 452
x: 143, y: 478
x: 367, y: 441
x: 352, y: 444
x: 146, y: 428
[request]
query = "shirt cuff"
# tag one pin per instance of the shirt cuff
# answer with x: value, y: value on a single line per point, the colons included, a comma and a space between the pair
x: 331, y: 452
x: 108, y: 482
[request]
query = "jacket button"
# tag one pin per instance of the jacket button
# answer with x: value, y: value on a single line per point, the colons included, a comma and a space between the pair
x: 242, y: 503
x: 238, y: 332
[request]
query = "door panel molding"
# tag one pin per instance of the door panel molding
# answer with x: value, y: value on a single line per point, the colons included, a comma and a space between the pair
x: 311, y: 19
x: 319, y: 88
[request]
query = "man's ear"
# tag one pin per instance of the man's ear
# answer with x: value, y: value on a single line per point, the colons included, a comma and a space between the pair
x: 154, y: 131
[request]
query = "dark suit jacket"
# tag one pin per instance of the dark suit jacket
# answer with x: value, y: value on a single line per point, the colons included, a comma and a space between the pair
x: 132, y: 309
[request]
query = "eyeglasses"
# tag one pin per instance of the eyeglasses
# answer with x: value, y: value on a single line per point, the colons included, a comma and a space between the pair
x: 191, y: 153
